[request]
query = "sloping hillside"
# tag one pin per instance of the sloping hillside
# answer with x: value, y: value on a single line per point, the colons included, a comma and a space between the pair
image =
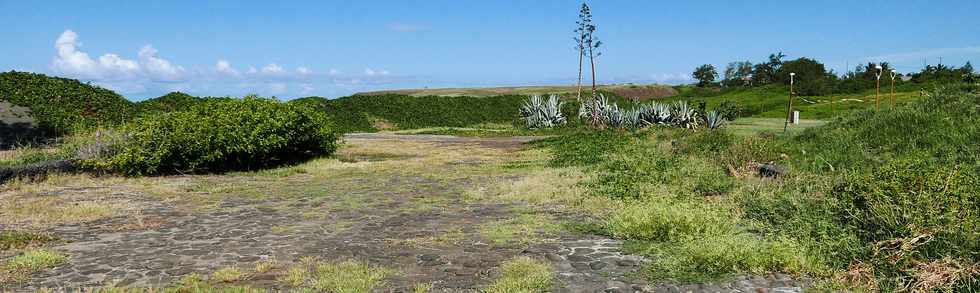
x: 59, y: 105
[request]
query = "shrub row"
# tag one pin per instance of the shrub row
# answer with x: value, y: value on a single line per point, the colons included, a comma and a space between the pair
x: 213, y: 135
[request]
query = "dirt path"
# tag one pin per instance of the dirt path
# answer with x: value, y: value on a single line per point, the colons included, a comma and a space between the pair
x: 392, y: 201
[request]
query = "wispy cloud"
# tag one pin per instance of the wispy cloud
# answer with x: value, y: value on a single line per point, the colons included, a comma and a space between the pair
x: 406, y: 27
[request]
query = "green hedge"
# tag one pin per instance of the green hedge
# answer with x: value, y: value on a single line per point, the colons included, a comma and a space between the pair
x: 175, y: 101
x: 219, y: 135
x: 60, y: 105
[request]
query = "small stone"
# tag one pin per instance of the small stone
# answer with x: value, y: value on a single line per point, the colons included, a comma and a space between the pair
x: 578, y: 258
x: 597, y: 265
x: 553, y: 257
x: 428, y: 257
x: 580, y: 266
x: 625, y: 263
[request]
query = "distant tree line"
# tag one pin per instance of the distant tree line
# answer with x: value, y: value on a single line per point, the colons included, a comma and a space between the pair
x: 813, y: 78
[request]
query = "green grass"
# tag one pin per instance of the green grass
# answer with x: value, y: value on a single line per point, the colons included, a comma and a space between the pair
x: 892, y: 191
x: 20, y: 267
x: 520, y: 230
x: 13, y: 239
x: 523, y: 275
x: 772, y: 101
x: 753, y: 126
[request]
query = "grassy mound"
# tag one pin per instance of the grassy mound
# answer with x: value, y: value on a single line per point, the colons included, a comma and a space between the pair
x: 212, y: 136
x: 60, y: 105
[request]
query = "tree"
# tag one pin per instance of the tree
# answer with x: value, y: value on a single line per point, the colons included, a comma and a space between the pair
x: 738, y: 73
x: 764, y: 73
x: 590, y: 42
x: 581, y: 32
x: 705, y: 74
x: 812, y: 78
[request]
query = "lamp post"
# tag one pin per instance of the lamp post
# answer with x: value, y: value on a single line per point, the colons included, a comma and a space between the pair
x: 894, y: 73
x: 877, y: 84
x: 789, y: 107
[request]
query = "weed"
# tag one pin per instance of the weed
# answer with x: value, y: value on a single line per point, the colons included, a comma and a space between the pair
x: 523, y: 275
x: 229, y: 275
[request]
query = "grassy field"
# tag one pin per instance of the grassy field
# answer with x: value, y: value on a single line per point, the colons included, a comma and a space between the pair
x: 641, y: 91
x: 771, y: 101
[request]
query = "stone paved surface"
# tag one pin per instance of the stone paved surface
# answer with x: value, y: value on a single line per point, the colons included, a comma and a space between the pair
x: 242, y: 231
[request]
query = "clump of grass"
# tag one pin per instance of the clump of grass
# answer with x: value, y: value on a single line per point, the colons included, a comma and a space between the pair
x: 30, y: 262
x: 20, y: 239
x: 519, y: 231
x: 229, y: 274
x: 266, y: 265
x: 523, y: 275
x: 342, y: 277
x: 422, y: 288
x: 660, y: 219
x: 295, y: 276
x: 348, y: 277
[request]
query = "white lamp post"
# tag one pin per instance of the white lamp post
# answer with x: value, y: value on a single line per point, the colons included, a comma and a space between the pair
x: 789, y: 107
x: 894, y: 73
x: 877, y: 84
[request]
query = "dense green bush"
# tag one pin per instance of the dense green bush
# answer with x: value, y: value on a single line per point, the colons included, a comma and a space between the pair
x: 218, y: 135
x: 60, y: 105
x: 369, y: 113
x: 175, y: 101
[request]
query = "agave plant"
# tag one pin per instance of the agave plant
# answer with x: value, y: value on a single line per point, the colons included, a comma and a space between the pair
x: 714, y: 120
x: 596, y: 111
x: 684, y: 115
x: 538, y: 112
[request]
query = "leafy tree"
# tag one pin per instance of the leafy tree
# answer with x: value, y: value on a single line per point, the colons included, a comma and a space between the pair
x: 738, y: 73
x: 705, y: 74
x: 764, y: 73
x: 812, y: 78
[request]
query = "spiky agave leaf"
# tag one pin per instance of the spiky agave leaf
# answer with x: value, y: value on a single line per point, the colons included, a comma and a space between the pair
x: 714, y: 120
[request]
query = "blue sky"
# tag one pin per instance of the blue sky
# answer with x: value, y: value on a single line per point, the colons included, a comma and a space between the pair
x: 334, y: 48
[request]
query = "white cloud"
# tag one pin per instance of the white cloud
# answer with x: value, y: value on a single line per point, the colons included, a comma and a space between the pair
x: 147, y: 74
x: 277, y: 88
x: 306, y: 88
x: 303, y: 71
x: 373, y: 72
x: 223, y: 67
x: 159, y: 69
x: 73, y: 62
x: 671, y: 77
x: 272, y: 69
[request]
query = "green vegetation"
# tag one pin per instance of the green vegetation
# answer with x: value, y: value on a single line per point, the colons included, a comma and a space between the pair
x: 14, y: 239
x: 61, y: 105
x: 216, y: 135
x: 29, y: 262
x: 175, y: 101
x: 885, y: 200
x: 389, y: 112
x: 523, y: 275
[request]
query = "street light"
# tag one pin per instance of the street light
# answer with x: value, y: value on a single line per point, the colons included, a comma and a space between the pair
x: 789, y: 107
x: 877, y: 84
x: 894, y: 73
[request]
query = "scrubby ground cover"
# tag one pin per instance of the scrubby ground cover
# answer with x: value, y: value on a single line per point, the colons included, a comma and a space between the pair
x: 409, y: 213
x: 882, y: 200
